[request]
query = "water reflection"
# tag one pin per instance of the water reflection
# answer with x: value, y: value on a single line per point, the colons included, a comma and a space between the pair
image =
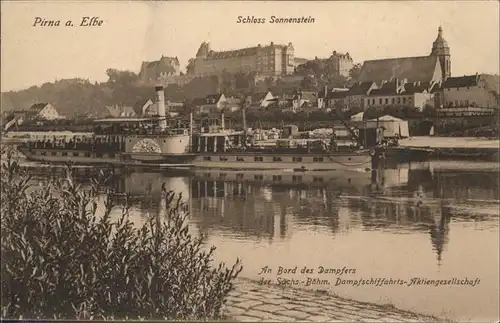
x: 418, y: 197
x: 406, y: 199
x: 404, y: 219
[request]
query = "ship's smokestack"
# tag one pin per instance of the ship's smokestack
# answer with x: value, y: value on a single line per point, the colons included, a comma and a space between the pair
x: 160, y: 101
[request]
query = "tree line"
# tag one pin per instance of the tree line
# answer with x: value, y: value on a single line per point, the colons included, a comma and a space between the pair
x: 79, y: 97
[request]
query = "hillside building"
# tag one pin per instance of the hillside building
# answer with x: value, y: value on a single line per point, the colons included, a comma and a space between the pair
x: 480, y: 90
x: 270, y: 60
x: 158, y: 70
x: 43, y: 111
x: 401, y: 93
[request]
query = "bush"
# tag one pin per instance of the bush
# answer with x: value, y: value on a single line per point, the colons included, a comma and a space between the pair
x: 61, y: 259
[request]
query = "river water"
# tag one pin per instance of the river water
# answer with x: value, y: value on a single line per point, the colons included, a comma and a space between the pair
x: 416, y: 222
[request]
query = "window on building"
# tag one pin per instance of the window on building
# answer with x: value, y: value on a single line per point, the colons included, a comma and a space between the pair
x: 399, y: 100
x: 393, y: 100
x: 276, y: 178
x: 380, y: 101
x: 404, y: 100
x: 296, y: 159
x: 386, y: 101
x: 258, y: 159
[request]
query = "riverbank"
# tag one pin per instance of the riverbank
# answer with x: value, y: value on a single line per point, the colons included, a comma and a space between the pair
x: 251, y: 301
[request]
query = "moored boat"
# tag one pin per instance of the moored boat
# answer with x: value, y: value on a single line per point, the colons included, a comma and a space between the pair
x: 403, y: 154
x: 148, y: 142
x: 219, y: 148
x: 119, y: 142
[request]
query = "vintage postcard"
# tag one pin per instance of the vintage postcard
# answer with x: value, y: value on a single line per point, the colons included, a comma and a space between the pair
x: 315, y: 161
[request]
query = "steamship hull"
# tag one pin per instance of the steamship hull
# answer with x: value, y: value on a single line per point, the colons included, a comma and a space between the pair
x: 151, y: 160
x: 240, y: 161
x: 360, y: 160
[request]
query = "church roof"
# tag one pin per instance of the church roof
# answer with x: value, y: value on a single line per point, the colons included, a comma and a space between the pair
x: 413, y: 69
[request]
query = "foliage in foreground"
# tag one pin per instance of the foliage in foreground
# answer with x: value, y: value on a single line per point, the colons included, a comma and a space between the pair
x: 61, y: 259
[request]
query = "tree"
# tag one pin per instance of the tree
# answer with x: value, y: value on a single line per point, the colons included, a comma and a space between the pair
x: 335, y: 81
x: 62, y: 259
x: 121, y: 78
x: 309, y: 83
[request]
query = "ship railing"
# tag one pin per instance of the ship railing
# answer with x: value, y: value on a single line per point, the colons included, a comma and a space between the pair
x: 86, y: 146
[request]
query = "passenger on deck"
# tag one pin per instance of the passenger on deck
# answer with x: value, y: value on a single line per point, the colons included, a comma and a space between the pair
x: 333, y: 143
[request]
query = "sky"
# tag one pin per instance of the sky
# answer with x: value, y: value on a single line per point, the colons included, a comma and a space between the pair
x: 136, y: 31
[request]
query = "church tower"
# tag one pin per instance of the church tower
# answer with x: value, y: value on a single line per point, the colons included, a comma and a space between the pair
x: 442, y: 51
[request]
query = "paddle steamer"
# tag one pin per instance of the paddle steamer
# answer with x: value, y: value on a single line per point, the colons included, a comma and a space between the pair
x: 149, y: 142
